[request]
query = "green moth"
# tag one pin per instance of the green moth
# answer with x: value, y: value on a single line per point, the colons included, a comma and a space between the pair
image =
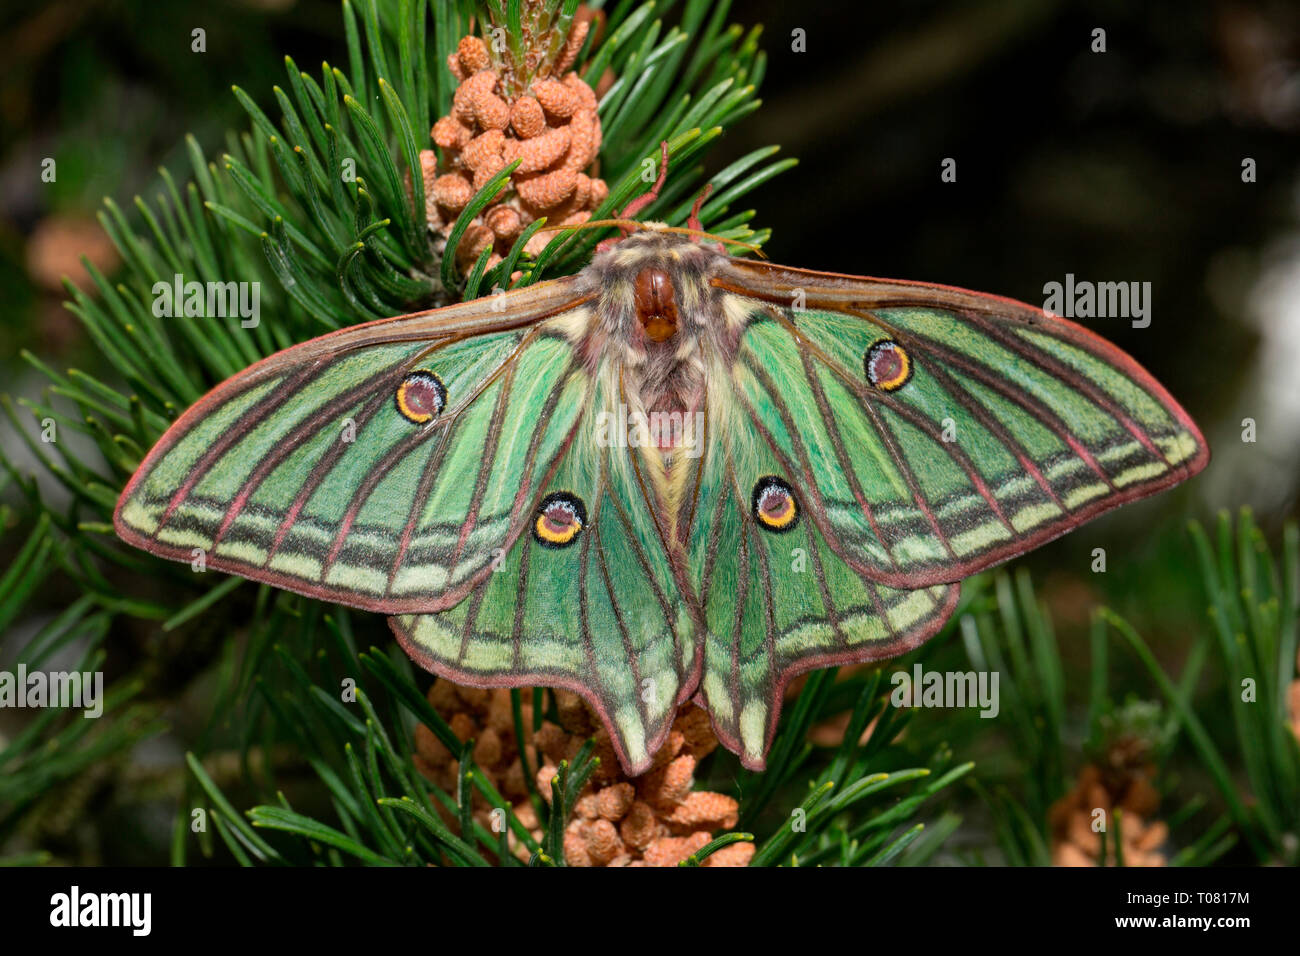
x: 675, y: 474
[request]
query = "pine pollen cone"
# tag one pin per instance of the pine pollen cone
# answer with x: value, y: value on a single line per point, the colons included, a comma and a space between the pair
x: 656, y: 819
x: 551, y: 126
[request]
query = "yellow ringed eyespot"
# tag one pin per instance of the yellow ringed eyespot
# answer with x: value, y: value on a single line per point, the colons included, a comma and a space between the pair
x: 560, y: 519
x: 420, y: 397
x: 774, y: 505
x: 888, y: 366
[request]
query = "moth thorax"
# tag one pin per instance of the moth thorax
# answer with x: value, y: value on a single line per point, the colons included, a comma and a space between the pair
x: 656, y: 304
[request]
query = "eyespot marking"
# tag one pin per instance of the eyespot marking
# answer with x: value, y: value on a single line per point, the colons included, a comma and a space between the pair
x: 560, y: 519
x: 774, y: 505
x: 888, y: 365
x: 421, y: 397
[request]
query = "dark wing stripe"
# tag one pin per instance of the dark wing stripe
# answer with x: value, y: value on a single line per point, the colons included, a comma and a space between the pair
x: 530, y: 458
x: 471, y: 619
x: 521, y: 599
x: 715, y: 533
x: 796, y: 471
x: 684, y: 529
x: 879, y: 606
x: 322, y: 469
x: 222, y: 445
x: 361, y: 495
x: 644, y: 561
x: 858, y: 296
x: 742, y: 579
x: 279, y: 452
x: 427, y: 480
x: 832, y: 612
x: 769, y: 614
x: 911, y: 415
x: 804, y: 466
x: 1066, y: 374
x: 506, y: 371
x: 841, y: 453
x: 926, y: 426
x: 996, y: 429
x: 1029, y: 403
x: 621, y: 623
x: 891, y: 445
x: 905, y: 411
x: 584, y: 617
x: 976, y: 370
x: 318, y: 474
x: 493, y: 444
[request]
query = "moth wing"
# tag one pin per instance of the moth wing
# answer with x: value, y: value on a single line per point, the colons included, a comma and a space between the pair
x: 777, y: 600
x: 933, y: 432
x: 382, y: 466
x: 599, y: 612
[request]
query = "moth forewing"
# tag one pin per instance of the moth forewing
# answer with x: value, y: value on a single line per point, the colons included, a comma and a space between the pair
x: 956, y: 429
x: 272, y: 472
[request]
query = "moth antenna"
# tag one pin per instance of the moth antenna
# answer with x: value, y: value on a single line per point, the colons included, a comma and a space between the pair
x: 688, y: 231
x: 694, y: 221
x: 595, y: 223
x: 632, y: 224
x: 645, y: 199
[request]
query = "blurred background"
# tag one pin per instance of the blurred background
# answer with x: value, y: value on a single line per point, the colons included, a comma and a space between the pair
x: 1123, y: 165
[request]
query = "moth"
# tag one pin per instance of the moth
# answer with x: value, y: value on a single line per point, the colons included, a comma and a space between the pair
x: 676, y: 474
